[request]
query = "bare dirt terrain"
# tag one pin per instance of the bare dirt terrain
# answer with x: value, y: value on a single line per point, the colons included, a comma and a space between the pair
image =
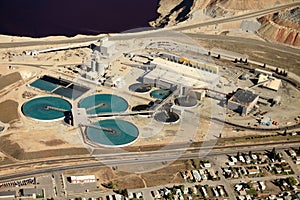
x: 279, y: 27
x: 168, y: 174
x: 266, y: 54
x: 211, y: 8
x: 11, y: 147
x: 9, y: 111
x: 9, y: 79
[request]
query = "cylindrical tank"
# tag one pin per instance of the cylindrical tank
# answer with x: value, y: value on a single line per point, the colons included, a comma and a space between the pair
x: 100, y: 68
x: 93, y: 65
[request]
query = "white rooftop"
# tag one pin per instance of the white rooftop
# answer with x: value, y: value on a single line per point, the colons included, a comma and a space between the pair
x: 180, y: 74
x: 273, y: 84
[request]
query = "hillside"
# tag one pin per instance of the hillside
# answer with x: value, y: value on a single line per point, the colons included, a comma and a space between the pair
x: 175, y: 11
x: 282, y: 27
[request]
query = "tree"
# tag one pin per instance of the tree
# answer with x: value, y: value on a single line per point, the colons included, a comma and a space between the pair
x: 250, y: 185
x: 170, y: 196
x: 291, y: 181
x: 173, y: 190
x: 276, y: 70
x: 181, y: 187
x: 124, y: 192
x: 110, y: 185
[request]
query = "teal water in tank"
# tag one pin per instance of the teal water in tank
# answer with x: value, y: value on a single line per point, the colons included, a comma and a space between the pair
x: 36, y: 108
x: 123, y: 133
x: 108, y: 103
x: 160, y: 94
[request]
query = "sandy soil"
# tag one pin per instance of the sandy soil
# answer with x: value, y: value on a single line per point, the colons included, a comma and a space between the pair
x: 9, y: 79
x: 9, y: 39
x: 45, y: 136
x: 9, y: 111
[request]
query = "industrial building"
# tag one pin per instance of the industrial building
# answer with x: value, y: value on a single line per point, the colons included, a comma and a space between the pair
x: 32, y: 192
x: 82, y: 179
x: 194, y: 74
x: 269, y: 82
x: 107, y: 48
x: 242, y: 101
x: 7, y: 195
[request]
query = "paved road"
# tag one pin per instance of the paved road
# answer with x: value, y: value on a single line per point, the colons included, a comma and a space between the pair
x: 145, y: 157
x: 216, y: 167
x: 239, y: 17
x: 153, y: 33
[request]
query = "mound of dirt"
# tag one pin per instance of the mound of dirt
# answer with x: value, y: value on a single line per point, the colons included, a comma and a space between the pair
x: 282, y: 27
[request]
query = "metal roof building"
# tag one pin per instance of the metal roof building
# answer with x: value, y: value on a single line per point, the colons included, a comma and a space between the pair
x: 7, y: 194
x: 83, y: 179
x: 32, y: 192
x: 273, y: 83
x: 242, y: 101
x: 169, y: 74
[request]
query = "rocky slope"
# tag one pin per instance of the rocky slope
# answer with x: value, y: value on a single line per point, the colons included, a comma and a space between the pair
x: 176, y: 11
x: 173, y: 11
x: 282, y: 27
x: 219, y: 8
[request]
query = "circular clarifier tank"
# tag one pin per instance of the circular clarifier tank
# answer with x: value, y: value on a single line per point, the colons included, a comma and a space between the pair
x: 160, y: 94
x: 46, y: 108
x: 113, y: 133
x: 140, y: 88
x: 187, y: 101
x: 103, y: 103
x: 167, y: 117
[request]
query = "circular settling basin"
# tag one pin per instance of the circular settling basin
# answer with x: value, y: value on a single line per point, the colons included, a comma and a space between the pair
x: 140, y: 88
x: 46, y: 108
x: 186, y: 101
x: 103, y: 103
x: 167, y: 117
x: 160, y: 94
x: 113, y: 133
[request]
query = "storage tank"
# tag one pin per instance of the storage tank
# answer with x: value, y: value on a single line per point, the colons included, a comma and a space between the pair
x: 93, y: 65
x: 100, y: 68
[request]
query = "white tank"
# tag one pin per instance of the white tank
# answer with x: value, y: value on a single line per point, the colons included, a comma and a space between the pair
x: 93, y: 65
